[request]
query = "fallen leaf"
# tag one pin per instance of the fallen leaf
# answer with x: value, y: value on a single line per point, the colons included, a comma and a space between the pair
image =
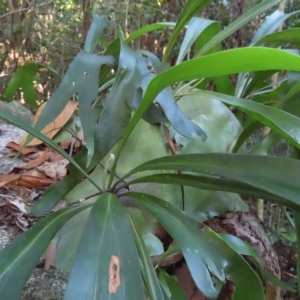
x: 54, y: 127
x: 32, y: 163
x: 17, y: 148
x: 26, y: 179
x: 55, y: 169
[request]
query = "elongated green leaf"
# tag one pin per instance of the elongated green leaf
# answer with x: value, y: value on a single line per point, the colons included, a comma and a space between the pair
x: 168, y: 104
x: 186, y: 235
x: 280, y: 121
x: 17, y: 122
x: 271, y: 23
x: 203, y: 246
x: 106, y: 265
x: 215, y: 183
x: 19, y: 258
x: 248, y: 131
x: 176, y: 291
x: 287, y: 36
x: 242, y: 60
x: 94, y: 33
x: 238, y: 245
x: 195, y: 27
x: 152, y: 285
x: 149, y: 28
x: 238, y: 23
x: 240, y: 168
x: 23, y: 78
x: 190, y: 9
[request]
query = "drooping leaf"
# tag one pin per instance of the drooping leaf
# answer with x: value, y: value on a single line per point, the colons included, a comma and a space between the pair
x: 190, y: 9
x: 204, y: 249
x: 280, y: 121
x: 239, y: 168
x: 149, y: 276
x: 238, y: 23
x: 270, y: 24
x: 81, y: 77
x: 94, y: 33
x: 19, y: 258
x: 106, y: 265
x: 291, y: 35
x: 195, y: 27
x: 242, y: 60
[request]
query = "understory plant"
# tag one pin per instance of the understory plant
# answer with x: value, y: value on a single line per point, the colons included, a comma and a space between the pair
x: 163, y: 149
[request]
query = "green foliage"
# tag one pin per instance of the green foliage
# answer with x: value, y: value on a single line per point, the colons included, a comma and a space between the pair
x: 150, y: 109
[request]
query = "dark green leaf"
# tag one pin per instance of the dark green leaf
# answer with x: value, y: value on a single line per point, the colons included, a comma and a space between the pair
x: 202, y: 249
x: 214, y: 183
x: 239, y: 168
x: 176, y: 290
x: 150, y: 279
x: 106, y: 265
x: 190, y: 9
x: 19, y: 258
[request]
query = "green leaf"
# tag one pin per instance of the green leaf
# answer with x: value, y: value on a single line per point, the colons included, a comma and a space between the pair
x: 68, y: 238
x: 204, y: 249
x: 168, y: 104
x: 23, y: 78
x: 239, y: 168
x: 176, y: 290
x: 150, y: 279
x: 238, y: 23
x: 95, y: 31
x: 231, y: 185
x: 19, y: 258
x: 242, y: 60
x: 81, y: 77
x: 238, y: 245
x: 248, y: 131
x: 271, y: 24
x: 149, y: 28
x: 184, y: 231
x: 280, y: 121
x: 106, y: 266
x: 195, y: 27
x: 190, y: 9
x: 287, y: 36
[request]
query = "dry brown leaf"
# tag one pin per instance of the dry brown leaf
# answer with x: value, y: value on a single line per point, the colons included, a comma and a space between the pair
x: 54, y: 169
x: 53, y: 128
x: 32, y: 163
x: 30, y: 179
x: 17, y: 148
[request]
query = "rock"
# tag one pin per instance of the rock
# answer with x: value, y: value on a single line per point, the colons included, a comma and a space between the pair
x: 42, y: 285
x: 11, y: 133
